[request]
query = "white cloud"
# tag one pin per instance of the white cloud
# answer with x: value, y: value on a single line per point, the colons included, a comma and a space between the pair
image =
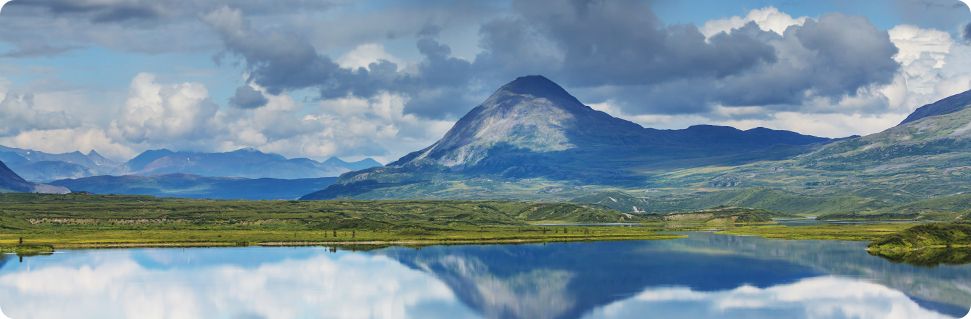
x: 768, y: 19
x: 820, y: 297
x: 157, y: 113
x: 69, y: 140
x: 319, y: 286
x: 19, y: 112
x: 933, y: 66
x: 365, y: 54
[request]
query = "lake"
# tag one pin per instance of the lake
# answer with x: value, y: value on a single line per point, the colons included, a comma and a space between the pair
x: 702, y: 276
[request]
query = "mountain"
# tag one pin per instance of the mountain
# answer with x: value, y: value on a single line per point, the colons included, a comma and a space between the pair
x: 11, y: 182
x: 40, y: 166
x: 247, y: 163
x: 923, y: 160
x: 531, y: 128
x: 194, y: 186
x: 948, y: 105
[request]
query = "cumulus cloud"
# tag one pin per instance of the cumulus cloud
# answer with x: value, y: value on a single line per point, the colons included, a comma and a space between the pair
x: 282, y: 61
x: 832, y: 57
x: 157, y: 113
x: 248, y: 98
x: 767, y: 58
x: 762, y: 67
x: 363, y: 55
x: 639, y: 50
x: 768, y: 19
x: 19, y: 113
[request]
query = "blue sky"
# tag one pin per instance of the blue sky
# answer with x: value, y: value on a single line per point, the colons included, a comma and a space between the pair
x: 296, y: 77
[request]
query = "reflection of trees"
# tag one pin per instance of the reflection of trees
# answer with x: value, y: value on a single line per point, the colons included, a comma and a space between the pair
x: 928, y: 257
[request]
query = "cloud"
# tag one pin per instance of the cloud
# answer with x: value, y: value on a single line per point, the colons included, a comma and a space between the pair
x: 768, y: 19
x: 248, y: 98
x: 281, y: 61
x: 66, y: 140
x: 966, y: 32
x: 19, y: 113
x: 363, y: 55
x: 832, y: 57
x: 421, y: 60
x: 315, y: 285
x: 156, y: 113
x: 820, y: 297
x: 640, y: 49
x: 752, y: 64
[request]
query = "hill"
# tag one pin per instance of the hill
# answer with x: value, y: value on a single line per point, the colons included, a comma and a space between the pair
x: 11, y: 182
x: 929, y: 244
x: 194, y: 186
x: 912, y: 166
x: 531, y: 128
x: 948, y: 105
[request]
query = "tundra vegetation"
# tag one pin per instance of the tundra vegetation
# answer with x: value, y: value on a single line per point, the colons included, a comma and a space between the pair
x: 39, y: 223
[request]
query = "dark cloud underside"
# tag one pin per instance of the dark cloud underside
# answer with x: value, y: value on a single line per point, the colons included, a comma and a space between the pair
x: 619, y: 46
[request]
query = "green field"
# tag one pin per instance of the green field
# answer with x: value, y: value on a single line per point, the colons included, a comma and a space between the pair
x: 34, y: 224
x: 77, y: 220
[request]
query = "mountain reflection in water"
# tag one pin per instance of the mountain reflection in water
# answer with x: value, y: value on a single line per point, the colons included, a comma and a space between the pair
x: 703, y: 276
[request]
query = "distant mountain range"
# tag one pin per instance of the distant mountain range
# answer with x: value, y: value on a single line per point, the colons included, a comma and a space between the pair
x: 532, y: 128
x: 194, y: 186
x: 11, y: 182
x: 248, y: 163
x: 42, y: 167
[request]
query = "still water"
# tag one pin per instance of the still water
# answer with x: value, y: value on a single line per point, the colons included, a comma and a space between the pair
x: 703, y: 276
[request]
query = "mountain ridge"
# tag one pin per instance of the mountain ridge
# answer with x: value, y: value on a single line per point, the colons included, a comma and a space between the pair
x: 944, y: 106
x: 195, y: 186
x: 11, y: 182
x: 533, y: 128
x: 245, y: 162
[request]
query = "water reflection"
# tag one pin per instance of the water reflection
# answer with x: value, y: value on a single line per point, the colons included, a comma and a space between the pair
x: 704, y: 276
x: 191, y: 284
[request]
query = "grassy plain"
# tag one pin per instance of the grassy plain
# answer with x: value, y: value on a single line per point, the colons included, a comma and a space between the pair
x: 78, y: 220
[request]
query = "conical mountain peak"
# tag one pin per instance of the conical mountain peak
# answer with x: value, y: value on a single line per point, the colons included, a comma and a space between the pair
x: 538, y: 86
x: 534, y: 85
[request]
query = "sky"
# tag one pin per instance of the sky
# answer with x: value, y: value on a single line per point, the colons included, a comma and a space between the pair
x: 355, y: 79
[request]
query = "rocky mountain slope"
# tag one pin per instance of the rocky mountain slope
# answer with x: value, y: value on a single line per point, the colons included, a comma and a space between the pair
x: 532, y: 128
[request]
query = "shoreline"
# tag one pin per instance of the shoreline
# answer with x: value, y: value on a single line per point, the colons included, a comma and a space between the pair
x: 340, y: 243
